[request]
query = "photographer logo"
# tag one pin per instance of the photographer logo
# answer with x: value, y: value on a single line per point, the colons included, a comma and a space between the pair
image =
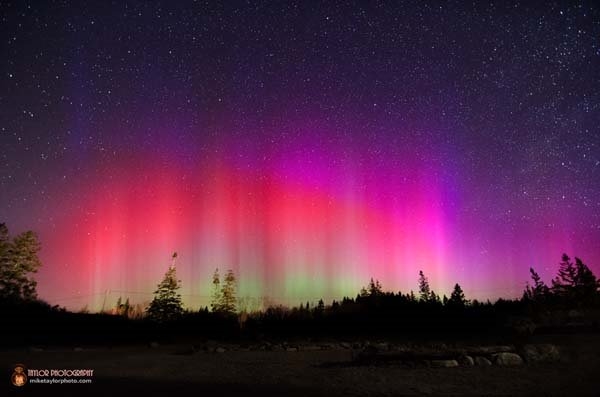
x: 19, y: 376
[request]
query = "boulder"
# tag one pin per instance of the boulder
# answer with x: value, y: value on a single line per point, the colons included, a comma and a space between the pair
x: 185, y: 350
x: 220, y: 350
x: 382, y: 347
x: 311, y: 348
x: 491, y: 349
x: 482, y: 361
x: 540, y: 353
x: 276, y: 347
x: 444, y: 363
x: 466, y: 361
x: 328, y: 346
x: 35, y: 349
x: 153, y: 345
x: 345, y: 345
x: 507, y: 359
x: 291, y: 349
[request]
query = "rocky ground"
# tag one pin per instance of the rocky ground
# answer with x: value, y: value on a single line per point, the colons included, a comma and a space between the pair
x: 552, y: 365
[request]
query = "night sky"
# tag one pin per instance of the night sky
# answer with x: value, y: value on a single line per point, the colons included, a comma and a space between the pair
x: 307, y: 146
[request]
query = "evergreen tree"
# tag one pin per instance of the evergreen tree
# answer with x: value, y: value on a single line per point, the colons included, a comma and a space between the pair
x: 434, y: 298
x: 166, y: 305
x: 375, y: 288
x: 363, y: 293
x: 18, y: 259
x: 539, y: 291
x: 564, y: 282
x: 320, y: 308
x: 228, y: 300
x: 424, y: 290
x: 575, y: 282
x: 586, y: 284
x: 412, y: 297
x: 215, y: 304
x: 457, y: 298
x: 123, y: 309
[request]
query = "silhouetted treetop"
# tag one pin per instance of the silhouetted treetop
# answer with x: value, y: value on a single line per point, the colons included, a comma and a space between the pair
x: 166, y: 305
x: 424, y: 290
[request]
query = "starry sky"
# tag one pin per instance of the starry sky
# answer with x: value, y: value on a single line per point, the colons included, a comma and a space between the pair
x: 306, y: 145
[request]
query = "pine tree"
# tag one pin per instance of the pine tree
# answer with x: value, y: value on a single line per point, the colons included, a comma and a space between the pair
x: 363, y: 293
x: 434, y: 298
x: 586, y: 284
x: 228, y: 291
x: 320, y: 308
x: 412, y: 297
x: 424, y: 290
x: 18, y: 259
x: 123, y: 309
x: 564, y: 282
x: 166, y: 305
x: 539, y: 292
x: 575, y: 282
x: 215, y: 304
x: 375, y: 288
x: 457, y: 298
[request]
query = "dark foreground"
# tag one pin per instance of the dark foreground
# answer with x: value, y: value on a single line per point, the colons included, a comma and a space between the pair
x: 173, y: 370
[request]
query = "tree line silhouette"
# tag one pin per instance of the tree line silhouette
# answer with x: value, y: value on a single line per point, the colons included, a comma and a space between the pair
x: 373, y: 311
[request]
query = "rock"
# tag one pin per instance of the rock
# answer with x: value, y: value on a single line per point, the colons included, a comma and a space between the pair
x: 492, y: 349
x: 540, y: 353
x: 444, y: 363
x: 276, y: 348
x: 211, y: 344
x: 382, y: 347
x: 35, y: 349
x: 345, y: 345
x: 466, y: 361
x: 220, y: 350
x: 291, y: 349
x: 78, y: 349
x: 311, y: 348
x: 185, y: 350
x: 507, y: 359
x: 153, y: 345
x: 482, y: 362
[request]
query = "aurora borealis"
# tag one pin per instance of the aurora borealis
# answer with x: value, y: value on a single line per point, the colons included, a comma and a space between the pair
x: 307, y: 146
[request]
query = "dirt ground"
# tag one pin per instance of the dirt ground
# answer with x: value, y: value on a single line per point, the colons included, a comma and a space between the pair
x: 147, y: 371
